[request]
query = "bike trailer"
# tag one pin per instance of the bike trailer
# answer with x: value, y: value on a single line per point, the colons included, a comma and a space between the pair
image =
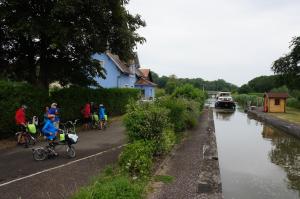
x: 72, y: 138
x: 31, y: 128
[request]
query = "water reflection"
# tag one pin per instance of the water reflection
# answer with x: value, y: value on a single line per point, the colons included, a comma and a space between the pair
x: 223, y: 114
x: 256, y: 161
x: 286, y: 154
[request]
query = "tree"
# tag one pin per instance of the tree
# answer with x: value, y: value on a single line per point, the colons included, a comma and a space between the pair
x: 46, y: 41
x: 244, y: 89
x: 288, y: 66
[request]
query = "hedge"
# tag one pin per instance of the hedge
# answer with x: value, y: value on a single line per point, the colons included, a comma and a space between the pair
x: 70, y: 100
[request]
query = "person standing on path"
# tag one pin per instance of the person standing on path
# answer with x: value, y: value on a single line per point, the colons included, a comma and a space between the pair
x: 20, y: 118
x: 87, y: 115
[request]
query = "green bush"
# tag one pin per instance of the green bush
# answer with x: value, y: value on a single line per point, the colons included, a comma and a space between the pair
x: 70, y: 100
x: 190, y: 92
x: 146, y: 121
x: 177, y: 111
x: 168, y: 141
x: 12, y: 96
x: 136, y: 158
x: 293, y: 102
x: 112, y: 186
x: 243, y: 100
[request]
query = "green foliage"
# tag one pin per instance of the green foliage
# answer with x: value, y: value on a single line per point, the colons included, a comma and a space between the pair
x: 293, y: 102
x: 112, y: 186
x: 72, y: 99
x: 189, y: 92
x: 183, y: 113
x: 282, y: 89
x: 288, y: 65
x: 146, y: 121
x: 163, y: 178
x: 177, y: 111
x: 12, y: 96
x: 136, y: 158
x: 57, y: 40
x: 245, y: 89
x: 170, y: 83
x: 244, y: 99
x: 159, y: 92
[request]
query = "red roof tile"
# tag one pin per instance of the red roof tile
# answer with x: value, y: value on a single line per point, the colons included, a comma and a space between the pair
x: 144, y: 82
x: 277, y: 95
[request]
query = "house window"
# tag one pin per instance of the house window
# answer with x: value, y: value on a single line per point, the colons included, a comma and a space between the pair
x: 277, y: 102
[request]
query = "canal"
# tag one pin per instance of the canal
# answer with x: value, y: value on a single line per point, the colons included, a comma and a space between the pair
x: 256, y: 160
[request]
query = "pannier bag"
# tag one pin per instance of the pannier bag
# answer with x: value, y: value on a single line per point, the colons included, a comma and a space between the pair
x: 31, y: 128
x: 62, y: 137
x: 73, y: 138
x: 105, y: 117
x: 96, y: 117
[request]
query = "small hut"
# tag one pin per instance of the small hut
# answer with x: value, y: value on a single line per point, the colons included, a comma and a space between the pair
x: 275, y: 102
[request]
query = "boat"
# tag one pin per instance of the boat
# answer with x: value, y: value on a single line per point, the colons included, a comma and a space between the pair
x: 225, y: 101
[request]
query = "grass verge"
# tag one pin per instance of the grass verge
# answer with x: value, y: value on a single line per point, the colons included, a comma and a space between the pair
x: 291, y: 115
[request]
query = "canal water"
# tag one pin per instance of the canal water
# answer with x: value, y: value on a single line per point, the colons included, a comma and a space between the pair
x: 256, y: 160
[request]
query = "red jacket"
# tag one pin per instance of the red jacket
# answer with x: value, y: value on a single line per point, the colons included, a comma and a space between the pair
x: 20, y: 116
x: 87, y: 111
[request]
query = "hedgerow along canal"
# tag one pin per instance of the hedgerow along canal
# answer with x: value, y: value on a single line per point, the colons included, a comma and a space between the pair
x: 256, y: 160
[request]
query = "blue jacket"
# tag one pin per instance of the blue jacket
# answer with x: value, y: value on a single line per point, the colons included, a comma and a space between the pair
x: 101, y: 112
x: 49, y: 128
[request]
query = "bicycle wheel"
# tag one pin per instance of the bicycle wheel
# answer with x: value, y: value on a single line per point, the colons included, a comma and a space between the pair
x: 39, y: 154
x: 71, y: 152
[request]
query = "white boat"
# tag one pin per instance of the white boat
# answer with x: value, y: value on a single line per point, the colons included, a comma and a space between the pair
x: 224, y: 101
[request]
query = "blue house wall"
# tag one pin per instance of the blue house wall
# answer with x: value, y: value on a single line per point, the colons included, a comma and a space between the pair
x: 149, y: 91
x: 114, y: 77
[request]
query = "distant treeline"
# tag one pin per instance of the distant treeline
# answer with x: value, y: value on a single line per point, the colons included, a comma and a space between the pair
x: 171, y: 82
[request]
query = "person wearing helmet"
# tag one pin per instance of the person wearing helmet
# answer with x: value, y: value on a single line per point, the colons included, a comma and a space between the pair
x: 50, y: 131
x: 53, y: 111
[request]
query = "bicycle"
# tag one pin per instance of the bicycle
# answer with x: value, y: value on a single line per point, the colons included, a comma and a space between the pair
x: 67, y: 137
x: 27, y: 137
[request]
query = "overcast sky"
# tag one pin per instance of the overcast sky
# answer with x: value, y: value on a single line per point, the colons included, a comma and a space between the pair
x: 235, y: 40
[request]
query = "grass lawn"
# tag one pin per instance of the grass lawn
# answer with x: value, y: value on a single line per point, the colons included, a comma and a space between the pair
x: 291, y: 115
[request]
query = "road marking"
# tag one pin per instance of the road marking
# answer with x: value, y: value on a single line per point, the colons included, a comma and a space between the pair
x: 60, y: 166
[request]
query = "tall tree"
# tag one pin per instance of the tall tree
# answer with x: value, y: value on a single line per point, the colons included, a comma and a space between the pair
x: 42, y: 41
x: 289, y: 65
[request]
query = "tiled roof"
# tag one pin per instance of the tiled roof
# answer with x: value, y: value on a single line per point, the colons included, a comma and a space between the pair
x: 277, y: 95
x: 145, y: 72
x: 120, y: 64
x: 144, y: 82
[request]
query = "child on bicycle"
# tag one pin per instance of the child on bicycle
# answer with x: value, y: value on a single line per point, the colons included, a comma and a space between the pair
x: 50, y: 131
x: 102, y: 115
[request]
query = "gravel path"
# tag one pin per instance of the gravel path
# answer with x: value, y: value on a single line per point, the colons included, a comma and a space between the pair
x: 193, y: 165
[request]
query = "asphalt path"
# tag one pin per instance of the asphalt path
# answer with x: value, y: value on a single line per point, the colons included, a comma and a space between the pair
x: 22, y: 177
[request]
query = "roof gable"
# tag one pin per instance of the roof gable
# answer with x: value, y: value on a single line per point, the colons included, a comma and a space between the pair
x: 120, y: 64
x: 276, y: 95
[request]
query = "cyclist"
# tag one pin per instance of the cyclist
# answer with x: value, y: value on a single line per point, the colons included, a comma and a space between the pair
x: 20, y: 118
x: 50, y: 131
x: 102, y: 113
x: 53, y: 111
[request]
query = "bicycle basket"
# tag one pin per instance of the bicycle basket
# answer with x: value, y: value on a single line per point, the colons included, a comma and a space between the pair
x: 31, y: 128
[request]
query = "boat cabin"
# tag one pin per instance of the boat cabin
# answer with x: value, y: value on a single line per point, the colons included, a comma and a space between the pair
x: 275, y: 102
